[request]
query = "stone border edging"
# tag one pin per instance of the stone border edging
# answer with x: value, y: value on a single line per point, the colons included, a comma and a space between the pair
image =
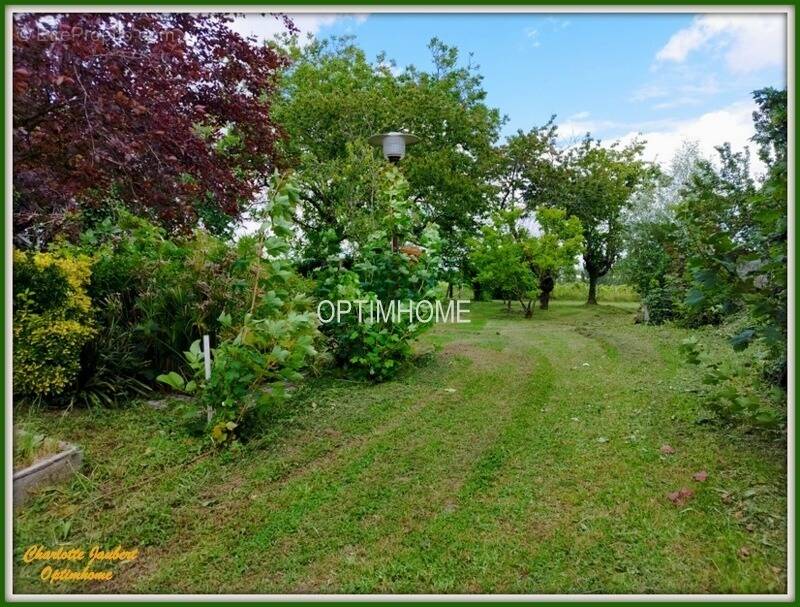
x: 51, y: 469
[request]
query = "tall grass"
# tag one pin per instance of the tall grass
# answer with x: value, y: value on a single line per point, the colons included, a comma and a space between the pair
x: 579, y: 291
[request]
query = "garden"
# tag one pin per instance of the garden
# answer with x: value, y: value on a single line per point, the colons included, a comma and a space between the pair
x: 608, y: 415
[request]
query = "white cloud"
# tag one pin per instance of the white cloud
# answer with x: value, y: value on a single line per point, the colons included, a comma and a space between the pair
x: 732, y: 124
x: 689, y: 93
x: 533, y: 34
x: 557, y: 24
x: 677, y: 102
x: 708, y: 86
x: 649, y: 91
x: 750, y: 42
x: 266, y: 27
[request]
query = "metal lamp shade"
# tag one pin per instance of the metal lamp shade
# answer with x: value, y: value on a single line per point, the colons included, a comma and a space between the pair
x: 393, y: 144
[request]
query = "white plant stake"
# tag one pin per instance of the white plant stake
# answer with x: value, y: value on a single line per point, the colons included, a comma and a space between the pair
x: 207, y: 361
x: 207, y: 356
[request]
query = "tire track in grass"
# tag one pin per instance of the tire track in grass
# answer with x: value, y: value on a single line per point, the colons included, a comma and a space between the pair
x: 279, y: 474
x: 459, y: 551
x: 621, y: 536
x: 424, y: 459
x: 305, y: 496
x: 443, y: 448
x: 521, y: 502
x: 510, y: 440
x: 431, y: 542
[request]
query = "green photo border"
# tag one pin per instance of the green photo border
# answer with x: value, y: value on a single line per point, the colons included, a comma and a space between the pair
x: 583, y: 6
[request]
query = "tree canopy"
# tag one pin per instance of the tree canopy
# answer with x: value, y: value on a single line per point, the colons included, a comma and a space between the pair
x: 518, y: 264
x: 599, y: 187
x: 168, y: 112
x: 333, y: 98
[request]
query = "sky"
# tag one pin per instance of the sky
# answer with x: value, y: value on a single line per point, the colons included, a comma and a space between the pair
x: 668, y: 77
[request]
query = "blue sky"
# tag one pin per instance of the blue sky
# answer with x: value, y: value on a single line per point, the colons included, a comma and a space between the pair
x: 670, y: 77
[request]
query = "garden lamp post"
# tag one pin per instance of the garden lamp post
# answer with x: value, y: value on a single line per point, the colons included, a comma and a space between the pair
x: 394, y: 148
x: 393, y: 144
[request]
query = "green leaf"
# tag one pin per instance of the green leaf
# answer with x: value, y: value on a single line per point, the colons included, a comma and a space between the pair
x: 173, y: 380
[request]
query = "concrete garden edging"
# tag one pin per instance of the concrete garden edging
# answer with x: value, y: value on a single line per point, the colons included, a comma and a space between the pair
x: 49, y: 470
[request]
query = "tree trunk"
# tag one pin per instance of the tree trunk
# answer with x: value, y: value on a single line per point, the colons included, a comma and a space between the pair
x: 544, y: 300
x: 528, y: 308
x: 450, y: 290
x: 476, y: 291
x: 592, y: 301
x: 508, y: 305
x: 546, y: 286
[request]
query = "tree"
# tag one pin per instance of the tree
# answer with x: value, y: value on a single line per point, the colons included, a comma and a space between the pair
x: 599, y: 186
x: 656, y: 200
x: 653, y: 265
x: 554, y: 251
x: 333, y: 98
x: 168, y: 112
x: 530, y: 169
x: 737, y: 230
x: 520, y: 265
x: 531, y: 177
x: 593, y: 182
x: 499, y: 258
x: 655, y: 245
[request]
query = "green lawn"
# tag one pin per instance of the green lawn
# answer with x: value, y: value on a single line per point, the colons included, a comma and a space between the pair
x: 515, y: 456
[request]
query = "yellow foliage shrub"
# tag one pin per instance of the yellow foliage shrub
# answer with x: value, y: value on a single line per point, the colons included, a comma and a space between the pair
x: 49, y: 335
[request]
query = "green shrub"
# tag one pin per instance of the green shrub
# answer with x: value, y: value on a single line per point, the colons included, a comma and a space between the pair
x: 268, y: 340
x: 376, y: 349
x: 51, y: 327
x: 114, y: 366
x: 170, y: 290
x: 38, y: 289
x: 660, y: 303
x: 731, y: 392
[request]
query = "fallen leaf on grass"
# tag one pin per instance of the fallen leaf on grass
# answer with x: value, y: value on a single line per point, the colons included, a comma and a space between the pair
x: 726, y: 497
x: 449, y: 390
x: 744, y: 552
x: 667, y: 450
x: 679, y: 498
x: 602, y: 439
x: 701, y: 476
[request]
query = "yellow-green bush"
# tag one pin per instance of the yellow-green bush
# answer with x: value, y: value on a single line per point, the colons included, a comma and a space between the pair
x: 52, y: 323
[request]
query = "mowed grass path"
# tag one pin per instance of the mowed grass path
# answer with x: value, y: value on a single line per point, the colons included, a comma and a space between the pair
x: 519, y: 456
